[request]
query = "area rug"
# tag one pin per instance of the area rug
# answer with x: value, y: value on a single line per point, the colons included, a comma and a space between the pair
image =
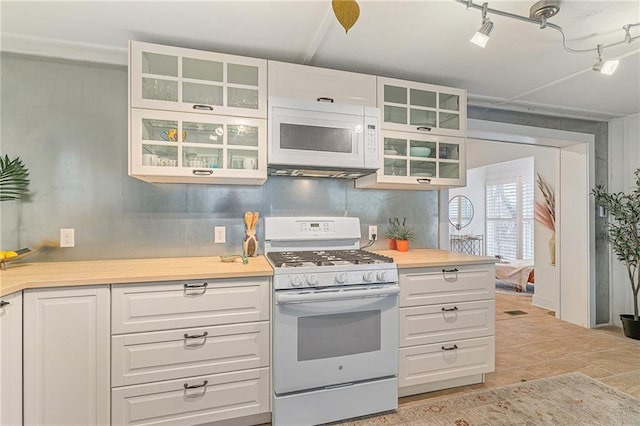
x: 569, y: 399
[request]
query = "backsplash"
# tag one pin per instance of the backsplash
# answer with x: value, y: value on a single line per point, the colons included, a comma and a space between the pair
x: 68, y: 122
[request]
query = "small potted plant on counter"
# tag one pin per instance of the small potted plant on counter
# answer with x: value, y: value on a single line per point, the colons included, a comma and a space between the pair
x: 404, y: 234
x: 390, y: 233
x: 624, y: 236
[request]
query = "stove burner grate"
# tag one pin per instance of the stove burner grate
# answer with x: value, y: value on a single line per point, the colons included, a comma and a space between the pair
x: 293, y: 259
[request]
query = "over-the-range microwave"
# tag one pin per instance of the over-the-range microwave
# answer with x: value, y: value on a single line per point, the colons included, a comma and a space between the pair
x: 321, y: 139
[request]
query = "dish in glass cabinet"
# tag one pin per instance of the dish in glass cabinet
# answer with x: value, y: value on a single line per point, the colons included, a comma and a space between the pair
x: 423, y: 174
x: 390, y: 152
x: 419, y: 151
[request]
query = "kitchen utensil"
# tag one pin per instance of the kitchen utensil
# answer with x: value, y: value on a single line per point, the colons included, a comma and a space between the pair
x: 390, y: 151
x: 249, y: 163
x: 250, y: 243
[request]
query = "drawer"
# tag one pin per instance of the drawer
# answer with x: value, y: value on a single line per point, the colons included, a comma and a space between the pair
x: 171, y: 305
x: 428, y: 286
x: 432, y: 363
x: 164, y: 355
x: 224, y: 396
x: 422, y: 325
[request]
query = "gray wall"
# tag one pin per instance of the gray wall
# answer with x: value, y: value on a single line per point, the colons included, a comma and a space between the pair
x: 600, y: 131
x: 68, y: 122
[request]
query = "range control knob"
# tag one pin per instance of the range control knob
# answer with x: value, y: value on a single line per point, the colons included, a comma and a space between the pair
x: 341, y: 277
x: 382, y: 275
x: 296, y: 281
x: 312, y: 279
x: 368, y: 276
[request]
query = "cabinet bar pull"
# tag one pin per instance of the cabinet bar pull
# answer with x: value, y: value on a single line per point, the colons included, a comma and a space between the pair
x: 450, y: 271
x: 188, y: 386
x: 203, y: 107
x: 324, y: 99
x: 424, y: 180
x: 202, y: 172
x: 4, y: 303
x: 444, y: 271
x: 455, y: 308
x: 423, y: 128
x: 198, y: 336
x: 450, y: 348
x: 190, y: 286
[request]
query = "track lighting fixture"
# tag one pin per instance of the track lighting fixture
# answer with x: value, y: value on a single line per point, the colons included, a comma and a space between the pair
x: 605, y: 67
x: 539, y: 13
x: 481, y: 37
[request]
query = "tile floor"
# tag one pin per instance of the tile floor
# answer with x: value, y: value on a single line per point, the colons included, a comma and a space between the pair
x: 537, y: 345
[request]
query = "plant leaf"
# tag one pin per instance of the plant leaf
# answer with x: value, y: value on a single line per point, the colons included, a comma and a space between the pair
x: 14, y: 182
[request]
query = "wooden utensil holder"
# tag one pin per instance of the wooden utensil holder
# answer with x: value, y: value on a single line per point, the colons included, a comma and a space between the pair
x: 250, y: 244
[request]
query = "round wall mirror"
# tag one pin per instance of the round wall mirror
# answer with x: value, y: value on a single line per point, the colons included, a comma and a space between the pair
x: 460, y: 211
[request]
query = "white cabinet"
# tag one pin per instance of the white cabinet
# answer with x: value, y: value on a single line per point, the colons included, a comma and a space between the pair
x: 196, y: 116
x: 423, y: 137
x: 66, y: 356
x: 179, y: 147
x: 423, y: 108
x: 321, y: 84
x: 447, y: 327
x: 418, y: 161
x: 11, y: 359
x: 176, y: 79
x: 191, y: 352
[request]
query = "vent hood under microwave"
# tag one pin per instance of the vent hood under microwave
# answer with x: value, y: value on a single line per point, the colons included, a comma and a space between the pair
x: 321, y: 139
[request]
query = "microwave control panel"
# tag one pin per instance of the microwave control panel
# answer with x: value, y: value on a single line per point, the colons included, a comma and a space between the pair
x: 371, y: 143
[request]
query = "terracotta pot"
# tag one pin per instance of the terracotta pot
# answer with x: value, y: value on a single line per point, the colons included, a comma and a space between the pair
x: 391, y: 244
x: 403, y: 245
x: 630, y: 327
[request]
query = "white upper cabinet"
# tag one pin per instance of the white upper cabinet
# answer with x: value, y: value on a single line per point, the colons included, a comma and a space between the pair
x: 321, y: 84
x: 178, y: 79
x: 196, y: 116
x: 424, y: 108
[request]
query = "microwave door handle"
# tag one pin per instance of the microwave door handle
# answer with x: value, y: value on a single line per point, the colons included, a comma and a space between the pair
x: 283, y: 298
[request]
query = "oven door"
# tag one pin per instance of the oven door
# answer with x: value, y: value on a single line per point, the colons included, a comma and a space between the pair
x: 334, y: 336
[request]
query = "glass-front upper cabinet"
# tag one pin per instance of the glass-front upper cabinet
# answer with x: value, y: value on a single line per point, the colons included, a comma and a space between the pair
x: 423, y: 108
x: 178, y: 79
x: 420, y: 162
x: 179, y: 147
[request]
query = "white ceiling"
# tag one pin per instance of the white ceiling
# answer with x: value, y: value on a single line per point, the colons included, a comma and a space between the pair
x: 522, y: 67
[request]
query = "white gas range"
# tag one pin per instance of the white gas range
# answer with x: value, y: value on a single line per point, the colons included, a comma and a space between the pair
x: 335, y: 322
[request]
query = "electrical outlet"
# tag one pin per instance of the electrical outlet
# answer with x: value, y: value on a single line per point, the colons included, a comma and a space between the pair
x: 373, y: 232
x: 67, y: 237
x: 220, y: 235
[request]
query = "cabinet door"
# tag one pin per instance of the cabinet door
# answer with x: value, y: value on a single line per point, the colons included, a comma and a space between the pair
x: 176, y: 79
x: 321, y: 84
x: 11, y: 359
x: 66, y: 356
x: 418, y: 161
x: 423, y: 108
x: 193, y: 148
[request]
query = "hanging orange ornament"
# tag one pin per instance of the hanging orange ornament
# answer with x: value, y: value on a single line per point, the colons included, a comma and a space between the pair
x: 347, y: 12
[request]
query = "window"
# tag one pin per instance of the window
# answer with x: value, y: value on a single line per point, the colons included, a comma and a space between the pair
x: 509, y: 217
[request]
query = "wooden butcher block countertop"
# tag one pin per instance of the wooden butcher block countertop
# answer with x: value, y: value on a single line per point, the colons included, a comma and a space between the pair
x: 424, y: 258
x: 22, y: 276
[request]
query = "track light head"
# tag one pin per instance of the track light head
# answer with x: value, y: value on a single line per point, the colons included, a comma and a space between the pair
x: 481, y: 37
x: 605, y: 67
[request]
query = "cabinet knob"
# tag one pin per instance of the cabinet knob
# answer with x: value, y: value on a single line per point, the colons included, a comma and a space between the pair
x: 4, y: 303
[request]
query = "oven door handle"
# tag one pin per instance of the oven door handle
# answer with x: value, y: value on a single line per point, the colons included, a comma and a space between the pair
x: 326, y: 296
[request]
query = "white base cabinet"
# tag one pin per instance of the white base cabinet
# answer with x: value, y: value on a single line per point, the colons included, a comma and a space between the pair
x: 66, y: 356
x: 447, y: 327
x: 11, y: 360
x: 191, y: 352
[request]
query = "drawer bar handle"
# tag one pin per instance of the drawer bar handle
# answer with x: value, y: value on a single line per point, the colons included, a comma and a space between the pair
x: 203, y: 107
x: 325, y: 99
x: 196, y: 336
x: 450, y: 348
x: 424, y: 180
x: 445, y: 271
x: 4, y: 303
x: 188, y: 386
x: 203, y: 172
x: 455, y: 308
x: 191, y: 286
x: 423, y: 128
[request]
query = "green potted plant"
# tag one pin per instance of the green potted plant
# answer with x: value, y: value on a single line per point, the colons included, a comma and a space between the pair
x: 14, y: 182
x: 623, y: 234
x: 390, y: 233
x: 404, y: 234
